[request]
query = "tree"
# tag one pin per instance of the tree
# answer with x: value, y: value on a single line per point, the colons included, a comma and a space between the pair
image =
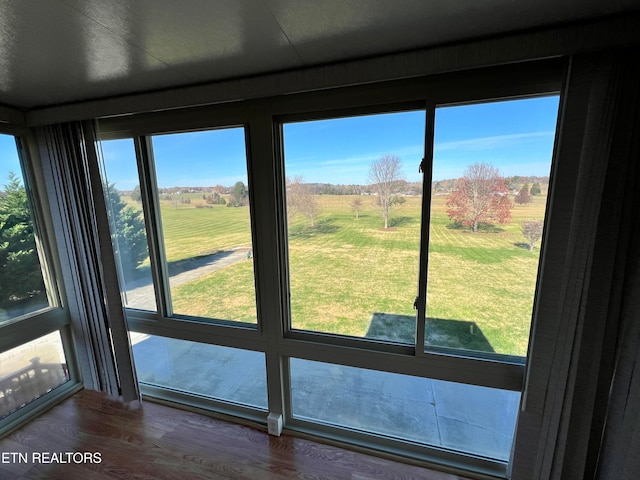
x: 386, y: 181
x: 300, y: 200
x: 535, y: 189
x: 356, y: 206
x: 238, y: 196
x: 523, y: 195
x: 532, y: 231
x: 136, y: 196
x: 129, y: 236
x: 20, y: 273
x: 479, y: 197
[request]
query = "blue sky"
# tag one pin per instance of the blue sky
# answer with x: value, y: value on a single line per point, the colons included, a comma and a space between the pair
x: 9, y: 161
x: 514, y: 136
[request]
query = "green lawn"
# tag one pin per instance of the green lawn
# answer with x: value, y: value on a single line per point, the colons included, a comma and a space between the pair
x: 343, y: 271
x: 191, y: 232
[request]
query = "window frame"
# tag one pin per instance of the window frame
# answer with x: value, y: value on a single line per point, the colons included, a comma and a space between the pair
x: 31, y: 326
x: 263, y: 119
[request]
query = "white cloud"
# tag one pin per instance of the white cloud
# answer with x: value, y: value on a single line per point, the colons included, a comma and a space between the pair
x: 487, y: 143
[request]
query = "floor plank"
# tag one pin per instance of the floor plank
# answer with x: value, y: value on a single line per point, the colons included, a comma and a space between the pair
x: 156, y: 442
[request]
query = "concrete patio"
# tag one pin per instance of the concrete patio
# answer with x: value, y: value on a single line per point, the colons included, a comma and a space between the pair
x: 459, y: 417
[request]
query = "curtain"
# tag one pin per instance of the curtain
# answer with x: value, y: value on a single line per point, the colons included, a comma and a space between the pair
x: 74, y: 188
x: 619, y: 451
x: 619, y: 458
x: 577, y: 337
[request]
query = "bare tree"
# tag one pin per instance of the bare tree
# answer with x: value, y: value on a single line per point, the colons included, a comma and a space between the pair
x: 301, y: 201
x: 356, y: 206
x: 386, y: 180
x: 532, y: 231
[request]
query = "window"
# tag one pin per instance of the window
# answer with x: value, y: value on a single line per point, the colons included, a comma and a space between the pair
x: 126, y: 217
x: 206, y: 223
x: 369, y: 242
x: 353, y: 200
x: 491, y: 170
x: 182, y: 235
x: 31, y: 370
x: 201, y: 195
x: 22, y: 286
x: 36, y: 361
x: 434, y: 413
x: 315, y: 262
x: 202, y: 369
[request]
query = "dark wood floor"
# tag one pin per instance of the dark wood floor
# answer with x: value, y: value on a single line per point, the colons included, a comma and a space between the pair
x: 158, y: 442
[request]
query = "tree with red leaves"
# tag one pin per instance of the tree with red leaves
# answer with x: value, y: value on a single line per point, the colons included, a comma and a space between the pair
x: 479, y: 197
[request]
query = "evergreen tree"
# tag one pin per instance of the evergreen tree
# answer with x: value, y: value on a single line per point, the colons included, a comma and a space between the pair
x: 20, y: 273
x: 129, y: 237
x: 535, y: 189
x: 239, y: 195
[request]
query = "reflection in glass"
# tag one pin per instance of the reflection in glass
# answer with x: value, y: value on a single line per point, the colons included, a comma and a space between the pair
x: 22, y: 288
x: 29, y: 371
x: 128, y: 234
x: 206, y: 223
x: 353, y: 200
x: 491, y: 170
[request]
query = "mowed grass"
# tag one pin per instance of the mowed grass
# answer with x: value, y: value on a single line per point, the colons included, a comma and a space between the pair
x: 344, y: 269
x: 488, y: 277
x: 192, y: 232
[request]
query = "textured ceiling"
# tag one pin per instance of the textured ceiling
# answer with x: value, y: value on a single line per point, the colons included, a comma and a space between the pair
x: 60, y: 51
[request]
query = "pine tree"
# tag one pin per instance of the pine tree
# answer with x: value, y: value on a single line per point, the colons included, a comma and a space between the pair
x: 20, y: 273
x: 129, y: 236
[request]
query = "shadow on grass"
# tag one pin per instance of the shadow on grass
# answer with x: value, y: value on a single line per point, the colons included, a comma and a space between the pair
x: 522, y: 245
x: 483, y: 228
x: 179, y: 266
x: 400, y: 221
x: 324, y: 227
x: 141, y: 276
x: 440, y: 332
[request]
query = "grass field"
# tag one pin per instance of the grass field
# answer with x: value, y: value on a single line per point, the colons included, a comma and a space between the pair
x: 344, y: 270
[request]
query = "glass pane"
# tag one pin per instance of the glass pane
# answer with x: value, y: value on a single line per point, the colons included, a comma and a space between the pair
x: 29, y: 371
x: 129, y: 236
x: 206, y: 222
x: 490, y: 181
x: 22, y: 288
x: 353, y: 199
x: 224, y: 373
x: 465, y: 418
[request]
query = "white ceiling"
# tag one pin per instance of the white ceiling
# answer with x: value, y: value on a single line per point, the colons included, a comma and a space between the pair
x: 60, y: 51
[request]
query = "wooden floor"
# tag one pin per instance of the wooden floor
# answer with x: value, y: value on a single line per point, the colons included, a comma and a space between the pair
x: 156, y: 442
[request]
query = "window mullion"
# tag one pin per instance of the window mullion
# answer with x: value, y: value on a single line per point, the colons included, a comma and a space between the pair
x: 153, y: 223
x: 426, y: 168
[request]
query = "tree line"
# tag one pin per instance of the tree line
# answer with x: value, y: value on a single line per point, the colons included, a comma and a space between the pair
x: 480, y: 197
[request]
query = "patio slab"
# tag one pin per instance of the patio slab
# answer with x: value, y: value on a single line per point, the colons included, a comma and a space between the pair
x: 464, y: 418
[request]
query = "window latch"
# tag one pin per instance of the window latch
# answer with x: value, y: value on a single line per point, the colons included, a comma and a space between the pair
x: 421, y: 167
x: 415, y: 303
